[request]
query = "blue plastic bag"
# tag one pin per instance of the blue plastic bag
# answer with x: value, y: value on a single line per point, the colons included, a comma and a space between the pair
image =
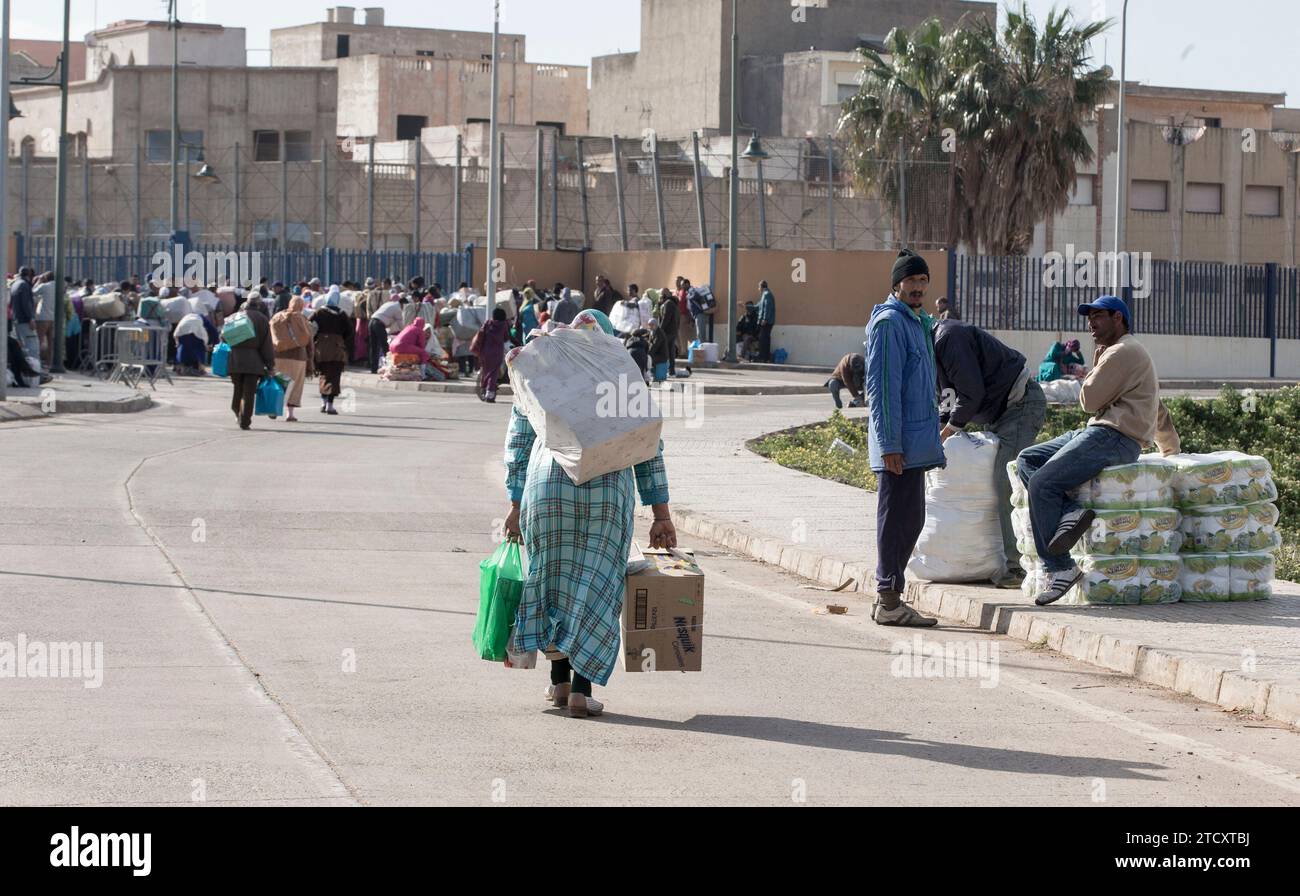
x: 779, y: 356
x: 74, y: 326
x: 221, y: 360
x: 270, y: 398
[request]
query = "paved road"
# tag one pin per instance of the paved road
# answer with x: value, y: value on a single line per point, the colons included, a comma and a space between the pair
x: 285, y: 618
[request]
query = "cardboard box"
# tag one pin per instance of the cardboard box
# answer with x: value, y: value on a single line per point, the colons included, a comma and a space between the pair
x: 663, y: 615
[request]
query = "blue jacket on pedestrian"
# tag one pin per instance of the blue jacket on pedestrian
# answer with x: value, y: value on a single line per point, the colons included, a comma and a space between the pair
x: 767, y: 308
x: 901, y: 387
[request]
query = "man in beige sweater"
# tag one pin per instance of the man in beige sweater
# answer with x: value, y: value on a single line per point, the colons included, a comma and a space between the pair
x: 1122, y: 392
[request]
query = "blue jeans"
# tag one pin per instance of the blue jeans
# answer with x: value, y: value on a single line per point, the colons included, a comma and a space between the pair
x: 1055, y: 467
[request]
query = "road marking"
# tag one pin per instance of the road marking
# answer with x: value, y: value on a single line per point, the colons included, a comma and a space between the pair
x: 1272, y: 775
x: 296, y: 739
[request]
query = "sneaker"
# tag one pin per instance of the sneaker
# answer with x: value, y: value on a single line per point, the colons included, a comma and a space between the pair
x: 332, y: 411
x: 903, y: 614
x: 1072, y: 527
x: 45, y: 378
x: 558, y: 695
x: 1013, y: 578
x: 1058, y: 585
x: 581, y: 706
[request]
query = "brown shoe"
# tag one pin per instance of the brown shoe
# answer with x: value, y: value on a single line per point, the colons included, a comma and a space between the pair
x: 558, y: 694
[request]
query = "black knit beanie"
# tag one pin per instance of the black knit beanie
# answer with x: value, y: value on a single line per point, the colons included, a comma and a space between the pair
x: 908, y: 264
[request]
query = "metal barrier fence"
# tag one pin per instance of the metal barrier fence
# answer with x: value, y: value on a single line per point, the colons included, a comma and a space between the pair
x: 1188, y: 298
x: 111, y: 261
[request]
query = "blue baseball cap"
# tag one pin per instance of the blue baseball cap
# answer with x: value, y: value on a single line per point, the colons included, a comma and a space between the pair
x: 1109, y: 303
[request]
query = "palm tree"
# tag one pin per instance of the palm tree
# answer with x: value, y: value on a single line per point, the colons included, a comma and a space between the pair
x: 1017, y: 102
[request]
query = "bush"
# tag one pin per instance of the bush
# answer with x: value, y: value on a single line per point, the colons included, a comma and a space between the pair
x: 808, y: 448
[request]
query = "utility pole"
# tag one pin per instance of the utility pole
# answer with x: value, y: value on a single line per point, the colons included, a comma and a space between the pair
x: 494, y: 189
x: 4, y: 195
x: 60, y: 200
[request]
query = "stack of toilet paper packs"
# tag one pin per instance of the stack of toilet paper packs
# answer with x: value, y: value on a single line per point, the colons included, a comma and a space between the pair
x: 1192, y: 527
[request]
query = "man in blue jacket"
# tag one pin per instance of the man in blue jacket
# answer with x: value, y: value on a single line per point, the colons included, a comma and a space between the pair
x: 903, y: 436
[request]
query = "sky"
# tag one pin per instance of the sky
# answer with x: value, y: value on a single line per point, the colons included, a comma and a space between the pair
x: 1203, y: 44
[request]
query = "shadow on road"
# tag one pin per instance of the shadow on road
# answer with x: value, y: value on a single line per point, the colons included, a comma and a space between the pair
x: 863, y: 740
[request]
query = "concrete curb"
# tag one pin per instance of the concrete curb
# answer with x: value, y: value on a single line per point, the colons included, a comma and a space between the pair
x: 461, y: 387
x: 1065, y: 634
x: 126, y: 405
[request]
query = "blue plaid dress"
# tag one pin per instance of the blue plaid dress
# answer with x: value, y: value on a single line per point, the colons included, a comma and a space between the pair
x: 577, y: 539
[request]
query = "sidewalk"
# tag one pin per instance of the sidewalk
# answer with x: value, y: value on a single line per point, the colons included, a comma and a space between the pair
x: 714, y: 381
x: 1240, y: 656
x: 72, y: 393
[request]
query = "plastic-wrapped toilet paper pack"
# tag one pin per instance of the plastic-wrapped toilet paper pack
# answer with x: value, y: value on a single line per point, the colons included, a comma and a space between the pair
x: 1222, y: 479
x: 1231, y: 530
x: 1147, y: 483
x: 1206, y: 577
x: 1250, y: 576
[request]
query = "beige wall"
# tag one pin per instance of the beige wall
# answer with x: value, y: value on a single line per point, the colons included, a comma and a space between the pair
x: 522, y: 265
x: 316, y: 44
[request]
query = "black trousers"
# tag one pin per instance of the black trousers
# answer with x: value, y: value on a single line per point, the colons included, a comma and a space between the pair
x: 245, y: 393
x: 377, y: 344
x: 900, y: 515
x: 560, y: 672
x: 765, y: 343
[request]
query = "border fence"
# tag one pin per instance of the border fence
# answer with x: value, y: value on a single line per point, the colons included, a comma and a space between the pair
x: 111, y: 261
x: 1188, y: 298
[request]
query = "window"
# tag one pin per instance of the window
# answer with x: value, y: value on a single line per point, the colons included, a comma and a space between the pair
x: 297, y: 146
x: 1204, y: 199
x: 341, y: 46
x: 1263, y: 202
x: 1149, y: 196
x: 158, y: 146
x: 409, y: 126
x: 845, y: 92
x: 1083, y: 187
x: 478, y: 121
x: 558, y: 125
x: 266, y: 146
x: 1210, y: 122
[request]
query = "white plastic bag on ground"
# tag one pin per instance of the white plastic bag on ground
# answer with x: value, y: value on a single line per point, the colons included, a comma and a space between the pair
x: 1066, y: 391
x: 962, y: 537
x: 587, y: 402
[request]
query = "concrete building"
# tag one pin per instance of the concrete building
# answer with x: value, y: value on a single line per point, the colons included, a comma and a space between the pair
x: 136, y: 42
x: 792, y: 56
x: 395, y: 81
x: 1212, y: 176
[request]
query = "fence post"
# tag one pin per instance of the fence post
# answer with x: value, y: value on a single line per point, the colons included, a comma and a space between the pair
x: 1270, y: 314
x: 284, y: 200
x: 138, y: 233
x: 555, y: 190
x: 370, y: 206
x: 830, y: 186
x: 324, y: 194
x: 234, y: 223
x: 415, y: 235
x: 659, y: 189
x: 902, y: 197
x: 582, y: 192
x: 455, y: 198
x: 537, y: 194
x: 954, y: 299
x: 618, y: 193
x: 501, y: 188
x: 699, y: 188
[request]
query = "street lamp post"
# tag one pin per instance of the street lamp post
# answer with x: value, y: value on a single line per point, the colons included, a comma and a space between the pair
x: 733, y: 199
x: 494, y: 189
x: 4, y: 194
x: 174, y: 24
x: 60, y: 200
x: 1120, y: 177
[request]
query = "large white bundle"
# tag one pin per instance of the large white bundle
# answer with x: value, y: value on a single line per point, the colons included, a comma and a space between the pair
x: 467, y: 322
x: 176, y: 308
x: 107, y: 306
x: 347, y: 302
x: 961, y: 540
x: 587, y: 402
x: 207, y: 299
x: 1223, y: 478
x: 1065, y: 391
x: 505, y: 301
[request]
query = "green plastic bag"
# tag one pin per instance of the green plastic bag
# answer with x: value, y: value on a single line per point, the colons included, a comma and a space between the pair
x: 500, y: 588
